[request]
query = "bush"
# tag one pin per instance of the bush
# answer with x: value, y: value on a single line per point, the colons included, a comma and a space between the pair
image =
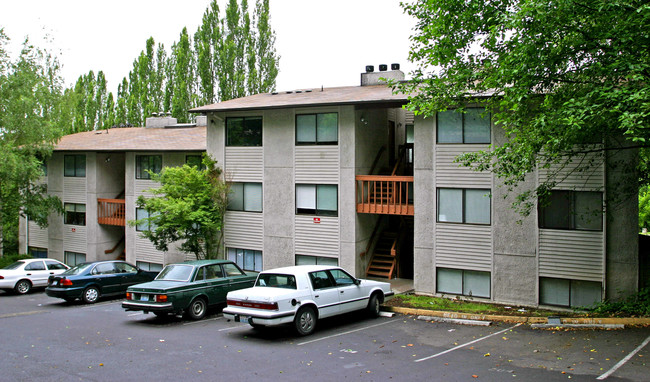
x: 635, y: 305
x: 9, y: 259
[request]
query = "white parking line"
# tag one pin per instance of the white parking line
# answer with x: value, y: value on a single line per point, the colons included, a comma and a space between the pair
x: 344, y: 333
x: 101, y: 304
x: 624, y: 360
x: 463, y: 345
x: 200, y: 321
x: 236, y: 327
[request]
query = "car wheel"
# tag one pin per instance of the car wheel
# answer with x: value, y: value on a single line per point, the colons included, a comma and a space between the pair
x: 373, y: 305
x: 90, y: 295
x: 23, y: 286
x: 197, y: 309
x: 305, y: 321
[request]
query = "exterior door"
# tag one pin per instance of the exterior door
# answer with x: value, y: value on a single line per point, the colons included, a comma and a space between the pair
x: 351, y: 296
x: 37, y: 272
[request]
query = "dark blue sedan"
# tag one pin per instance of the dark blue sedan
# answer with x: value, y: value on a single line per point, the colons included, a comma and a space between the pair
x: 90, y: 281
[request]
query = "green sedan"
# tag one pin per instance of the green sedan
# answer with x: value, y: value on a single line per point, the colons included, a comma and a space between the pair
x: 189, y: 287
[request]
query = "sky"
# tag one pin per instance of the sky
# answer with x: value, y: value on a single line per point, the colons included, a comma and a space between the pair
x: 320, y: 42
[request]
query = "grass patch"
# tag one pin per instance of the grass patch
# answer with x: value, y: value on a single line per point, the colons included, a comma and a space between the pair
x: 636, y: 305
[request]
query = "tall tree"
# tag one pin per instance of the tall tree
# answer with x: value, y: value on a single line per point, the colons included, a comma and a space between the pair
x: 189, y: 206
x: 267, y: 58
x: 183, y: 78
x: 30, y: 90
x: 563, y: 72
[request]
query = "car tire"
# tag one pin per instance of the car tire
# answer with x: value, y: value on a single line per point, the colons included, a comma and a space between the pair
x: 23, y: 287
x: 305, y: 321
x: 373, y: 306
x: 90, y: 295
x: 197, y: 309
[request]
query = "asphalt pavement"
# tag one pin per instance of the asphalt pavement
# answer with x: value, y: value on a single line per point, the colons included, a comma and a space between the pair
x: 46, y: 339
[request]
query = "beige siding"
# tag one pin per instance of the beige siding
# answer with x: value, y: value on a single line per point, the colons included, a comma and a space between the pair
x: 75, y: 240
x: 145, y: 251
x: 571, y: 254
x: 410, y: 117
x: 451, y: 174
x: 464, y: 246
x: 38, y: 237
x: 244, y: 164
x: 74, y: 190
x: 244, y: 230
x: 317, y: 239
x: 317, y: 164
x: 569, y: 178
x: 142, y: 185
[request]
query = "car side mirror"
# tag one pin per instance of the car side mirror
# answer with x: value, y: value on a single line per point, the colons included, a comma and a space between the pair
x: 357, y: 281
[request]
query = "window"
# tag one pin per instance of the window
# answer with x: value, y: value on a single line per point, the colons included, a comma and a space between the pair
x: 103, y: 269
x: 244, y: 131
x: 75, y: 214
x: 316, y: 260
x: 575, y: 210
x: 35, y: 266
x: 565, y: 292
x: 74, y: 258
x: 245, y: 197
x: 472, y: 126
x: 125, y: 268
x: 145, y: 163
x: 321, y: 280
x: 141, y: 213
x: 321, y: 199
x: 463, y: 282
x: 232, y: 270
x: 195, y: 160
x: 36, y: 252
x: 54, y: 265
x: 319, y: 129
x: 152, y: 267
x: 74, y: 165
x: 457, y: 205
x: 247, y: 259
x: 341, y: 278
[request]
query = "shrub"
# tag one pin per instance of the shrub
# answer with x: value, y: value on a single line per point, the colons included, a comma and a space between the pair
x: 9, y: 259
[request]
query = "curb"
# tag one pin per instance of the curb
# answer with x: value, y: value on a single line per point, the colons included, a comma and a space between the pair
x: 568, y: 322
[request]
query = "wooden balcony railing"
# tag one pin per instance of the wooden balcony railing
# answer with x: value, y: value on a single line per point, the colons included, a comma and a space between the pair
x: 386, y: 195
x: 111, y: 212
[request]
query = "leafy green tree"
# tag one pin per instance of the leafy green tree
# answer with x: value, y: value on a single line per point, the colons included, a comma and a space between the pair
x: 30, y: 92
x: 189, y: 207
x: 563, y: 73
x: 183, y: 79
x: 267, y: 59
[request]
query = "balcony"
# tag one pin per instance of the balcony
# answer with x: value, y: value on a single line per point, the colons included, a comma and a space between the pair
x: 111, y: 212
x: 386, y: 195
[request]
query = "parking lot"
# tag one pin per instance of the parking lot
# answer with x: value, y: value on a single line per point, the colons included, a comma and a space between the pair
x: 48, y: 339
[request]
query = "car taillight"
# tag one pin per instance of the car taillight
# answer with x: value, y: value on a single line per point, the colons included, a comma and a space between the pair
x: 129, y: 296
x: 1, y: 277
x: 254, y: 304
x: 161, y: 298
x: 65, y: 282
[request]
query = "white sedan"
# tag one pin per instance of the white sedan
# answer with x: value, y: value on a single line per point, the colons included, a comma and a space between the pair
x: 303, y: 294
x: 23, y: 275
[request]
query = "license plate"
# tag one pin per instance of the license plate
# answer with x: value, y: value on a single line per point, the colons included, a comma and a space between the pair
x: 242, y: 318
x: 144, y: 297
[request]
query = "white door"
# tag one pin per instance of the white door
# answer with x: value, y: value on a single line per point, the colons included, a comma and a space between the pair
x: 351, y: 296
x: 326, y: 294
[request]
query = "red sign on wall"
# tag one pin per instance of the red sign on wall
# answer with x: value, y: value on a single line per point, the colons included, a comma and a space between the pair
x: 316, y: 220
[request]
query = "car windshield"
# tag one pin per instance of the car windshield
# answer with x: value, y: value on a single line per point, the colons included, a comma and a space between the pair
x: 276, y: 280
x: 175, y: 272
x: 15, y: 265
x: 78, y: 269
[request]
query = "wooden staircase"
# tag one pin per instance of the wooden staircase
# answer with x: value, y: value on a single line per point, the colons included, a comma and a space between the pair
x: 383, y: 263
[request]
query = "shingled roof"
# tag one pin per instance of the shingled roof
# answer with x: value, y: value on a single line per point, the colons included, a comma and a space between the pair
x: 349, y: 95
x: 136, y: 139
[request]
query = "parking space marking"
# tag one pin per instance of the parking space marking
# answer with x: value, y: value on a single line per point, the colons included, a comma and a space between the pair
x: 468, y: 343
x: 348, y: 332
x: 624, y: 360
x: 101, y: 304
x: 23, y: 313
x: 235, y: 327
x: 204, y: 320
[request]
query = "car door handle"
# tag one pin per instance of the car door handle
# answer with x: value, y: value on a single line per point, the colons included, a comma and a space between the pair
x: 342, y: 291
x: 51, y: 273
x: 29, y: 274
x: 317, y: 296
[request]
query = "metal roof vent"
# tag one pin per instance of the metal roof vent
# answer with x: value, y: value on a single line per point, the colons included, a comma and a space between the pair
x: 383, y: 67
x: 370, y: 68
x: 394, y: 66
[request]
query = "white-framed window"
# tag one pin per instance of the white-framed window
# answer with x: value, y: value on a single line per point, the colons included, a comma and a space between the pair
x: 73, y: 258
x: 317, y: 129
x: 317, y: 199
x: 565, y: 292
x: 74, y: 165
x: 463, y: 282
x: 245, y: 197
x: 572, y: 210
x: 151, y: 267
x: 146, y: 163
x: 141, y: 213
x: 74, y: 214
x: 472, y: 126
x: 246, y: 259
x: 464, y: 205
x: 316, y: 260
